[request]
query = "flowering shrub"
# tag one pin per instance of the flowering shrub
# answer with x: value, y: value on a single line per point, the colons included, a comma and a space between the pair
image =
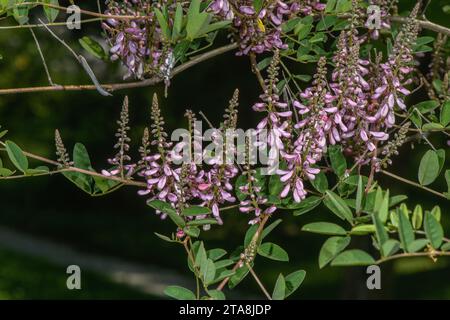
x: 327, y: 137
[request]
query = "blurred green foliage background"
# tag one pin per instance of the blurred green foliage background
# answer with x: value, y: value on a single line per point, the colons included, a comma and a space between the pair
x: 120, y: 224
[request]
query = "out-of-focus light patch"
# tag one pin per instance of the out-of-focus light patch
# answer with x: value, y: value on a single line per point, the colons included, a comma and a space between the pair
x: 421, y: 264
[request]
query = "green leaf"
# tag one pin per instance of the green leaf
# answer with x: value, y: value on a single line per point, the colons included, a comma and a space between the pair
x: 195, y: 211
x: 249, y: 234
x: 429, y: 168
x: 354, y: 257
x: 423, y: 40
x: 383, y: 208
x: 216, y: 254
x: 426, y: 106
x: 445, y: 114
x: 163, y: 237
x: 338, y: 206
x: 436, y: 212
x: 307, y: 205
x: 169, y: 210
x: 93, y: 47
x: 16, y: 156
x: 417, y: 217
x: 293, y: 282
x: 269, y: 228
x: 324, y: 228
x: 193, y: 232
x: 163, y: 23
x: 418, y: 245
x: 273, y: 251
x: 208, y: 271
x: 196, y: 20
x: 406, y: 232
x: 302, y: 31
x: 51, y: 13
x: 359, y: 195
x: 446, y: 246
x: 447, y: 179
x: 5, y: 172
x: 214, y: 26
x: 178, y: 21
x: 331, y: 4
x: 326, y: 23
x: 81, y: 157
x: 441, y: 157
x: 225, y: 273
x: 201, y: 222
x: 223, y: 263
x: 381, y: 233
x: 275, y: 185
x: 338, y: 162
x: 280, y: 289
x: 320, y: 183
x: 432, y: 127
x: 258, y: 5
x: 216, y: 294
x: 378, y: 200
x: 343, y: 6
x: 363, y: 229
x: 239, y: 275
x: 393, y: 201
x: 390, y: 247
x: 433, y: 230
x: 38, y: 170
x: 179, y: 293
x: 201, y: 257
x: 82, y: 161
x: 331, y: 248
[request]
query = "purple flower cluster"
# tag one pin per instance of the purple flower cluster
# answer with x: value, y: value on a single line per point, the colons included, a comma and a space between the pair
x: 138, y: 43
x: 260, y: 30
x: 364, y: 95
x: 310, y: 140
x: 301, y: 142
x: 178, y: 184
x: 354, y: 107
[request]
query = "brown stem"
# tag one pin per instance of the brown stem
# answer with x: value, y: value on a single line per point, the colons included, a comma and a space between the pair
x: 87, y: 172
x: 121, y: 86
x: 256, y: 71
x: 424, y: 24
x: 416, y: 254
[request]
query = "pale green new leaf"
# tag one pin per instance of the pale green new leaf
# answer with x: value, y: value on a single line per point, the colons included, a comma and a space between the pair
x: 433, y: 230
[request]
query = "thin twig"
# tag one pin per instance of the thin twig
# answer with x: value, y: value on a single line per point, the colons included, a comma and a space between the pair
x: 258, y: 281
x: 81, y: 60
x: 413, y: 183
x: 49, y: 77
